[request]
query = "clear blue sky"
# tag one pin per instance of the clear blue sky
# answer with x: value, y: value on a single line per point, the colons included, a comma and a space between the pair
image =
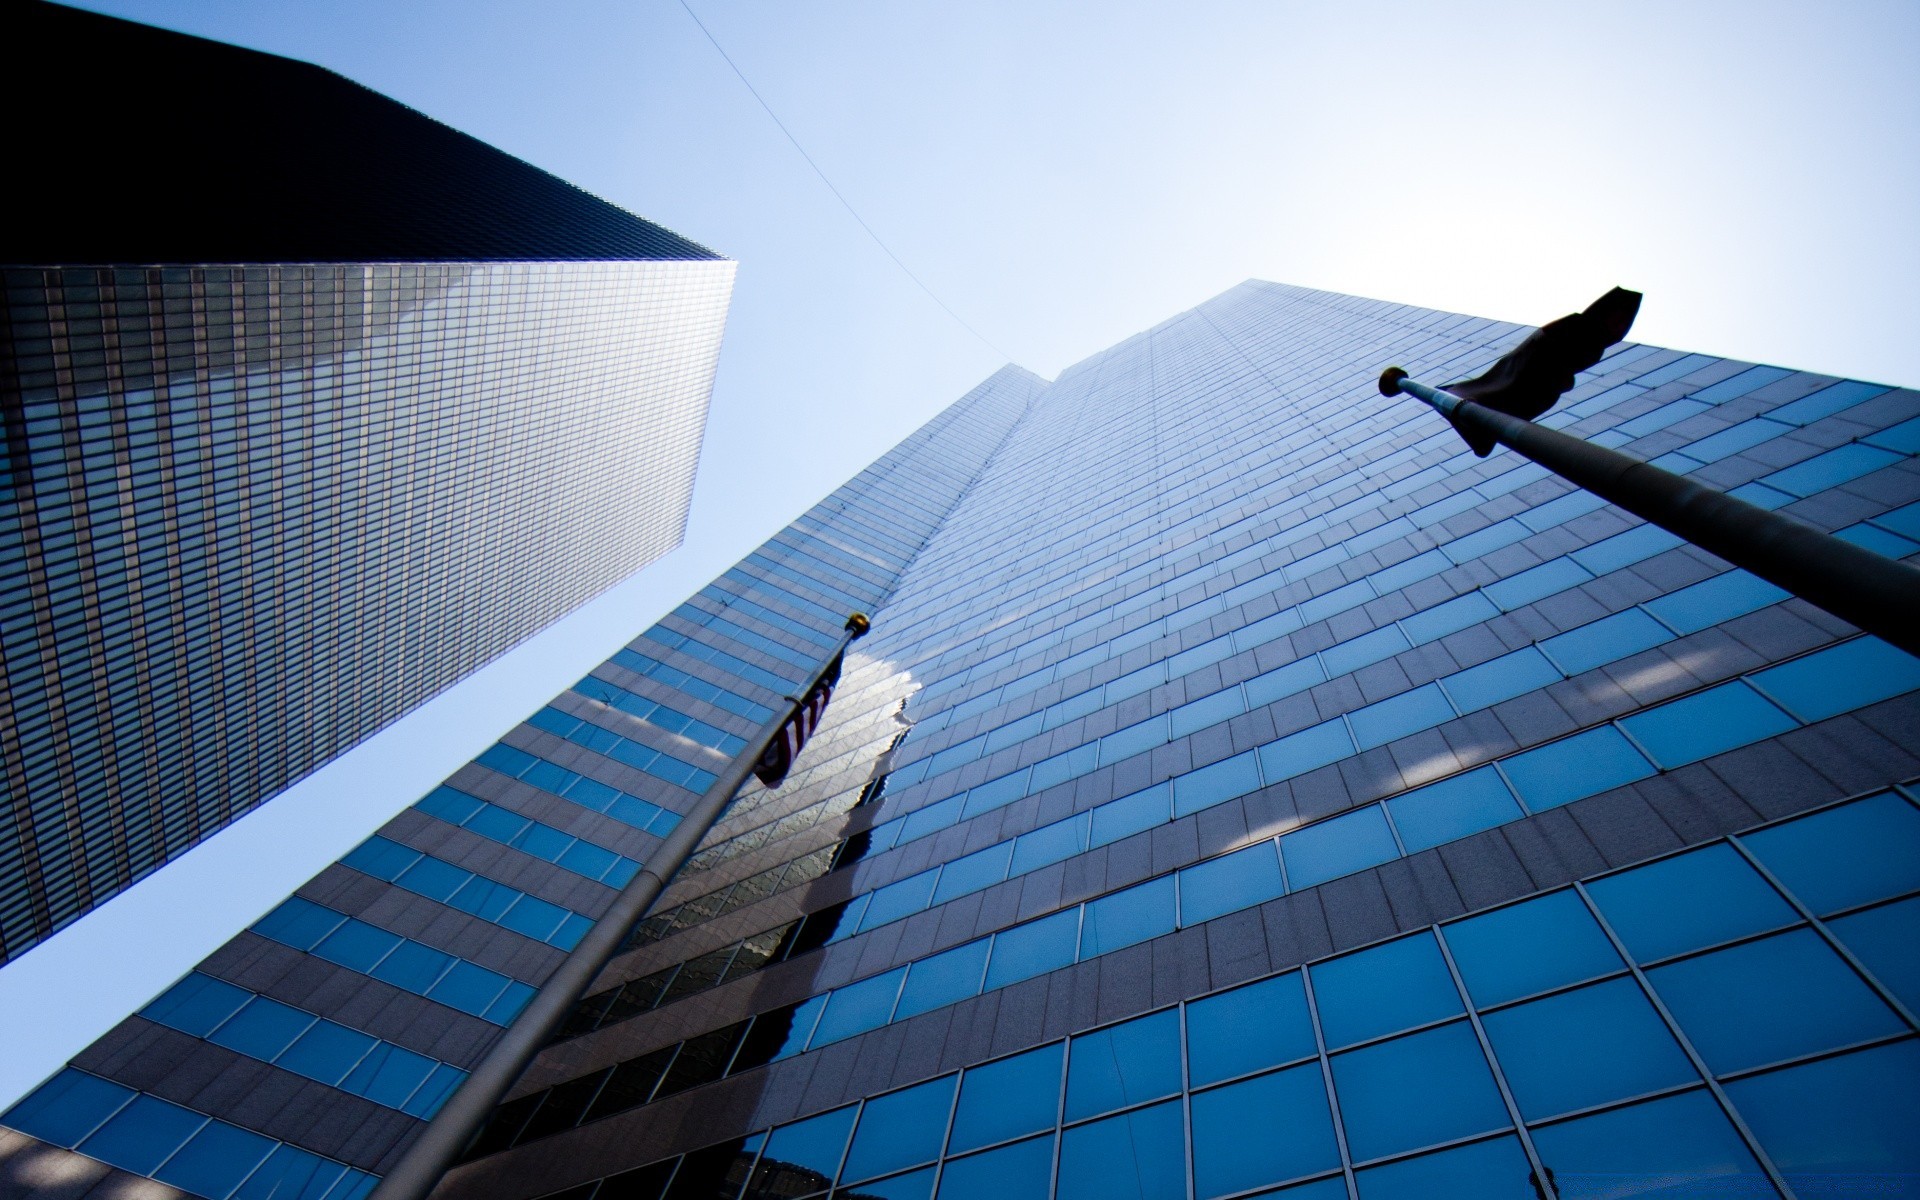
x: 1063, y: 175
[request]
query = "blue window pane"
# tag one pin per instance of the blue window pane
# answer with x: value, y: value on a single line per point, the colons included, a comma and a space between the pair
x: 1496, y: 1169
x: 1034, y: 948
x: 1878, y: 540
x: 1321, y: 1189
x: 858, y: 1007
x: 1126, y: 1064
x: 1412, y: 570
x: 1268, y: 1129
x: 1588, y: 1046
x: 1130, y: 814
x: 1857, y: 853
x: 1883, y: 939
x: 140, y: 1136
x: 806, y: 1150
x: 1688, y: 901
x: 510, y: 1002
x: 972, y: 872
x: 1485, y: 541
x: 1414, y: 1091
x: 1357, y: 652
x: 931, y: 818
x: 1903, y: 520
x: 1050, y: 844
x: 1841, y: 678
x: 1143, y: 911
x: 434, y: 879
x: 943, y: 979
x: 904, y: 1128
x: 572, y: 929
x: 1209, y: 710
x: 1452, y: 808
x: 1503, y: 678
x: 1442, y: 619
x: 1762, y: 495
x: 900, y: 899
x: 1848, y: 1119
x: 1667, y: 414
x: 1764, y: 1001
x: 1134, y: 739
x: 1560, y: 511
x: 357, y: 945
x: 1248, y: 1029
x: 1625, y: 549
x: 1574, y: 768
x: 1681, y: 1145
x: 1229, y: 883
x: 497, y: 824
x: 1734, y: 439
x: 468, y: 988
x: 1547, y: 579
x: 1345, y: 844
x: 1827, y: 401
x: 1409, y: 712
x: 380, y: 858
x: 915, y: 1185
x: 582, y: 858
x: 1283, y: 682
x: 994, y: 794
x: 262, y: 1029
x: 1605, y: 640
x: 1712, y: 601
x: 67, y: 1107
x: 389, y: 1075
x: 1383, y: 990
x: 1835, y: 467
x: 1215, y: 784
x: 1338, y: 600
x: 1529, y: 947
x: 1298, y: 753
x: 290, y: 1174
x: 298, y: 923
x: 1706, y: 724
x: 326, y: 1052
x: 1008, y: 1098
x: 412, y: 966
x: 533, y: 917
x: 427, y: 1099
x: 197, y: 1004
x: 1021, y: 1171
x: 215, y: 1160
x: 1139, y: 1156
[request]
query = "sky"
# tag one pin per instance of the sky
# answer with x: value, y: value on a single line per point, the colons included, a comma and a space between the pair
x: 1062, y: 175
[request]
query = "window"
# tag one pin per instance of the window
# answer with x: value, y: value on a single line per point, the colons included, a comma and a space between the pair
x: 1238, y: 1141
x: 1229, y: 883
x: 1684, y: 1141
x: 901, y: 1129
x: 1140, y: 1155
x: 1452, y: 808
x: 1605, y: 640
x: 1298, y: 753
x: 1215, y: 784
x: 1585, y: 1047
x: 943, y: 979
x: 1409, y: 712
x: 1250, y: 1028
x: 807, y: 1150
x: 858, y: 1007
x: 1705, y: 724
x: 1034, y: 948
x: 1495, y: 1169
x: 1848, y: 1116
x: 1883, y: 939
x: 1840, y: 678
x: 1574, y: 768
x: 1008, y: 1098
x: 1854, y: 854
x: 1124, y: 1065
x: 1529, y: 947
x: 1341, y: 846
x: 1383, y: 990
x: 1502, y: 678
x: 1689, y: 901
x: 1021, y: 1171
x: 1428, y: 1087
x: 1123, y: 918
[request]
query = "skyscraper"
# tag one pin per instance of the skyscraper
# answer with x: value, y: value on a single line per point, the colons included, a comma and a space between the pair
x: 1244, y: 791
x: 312, y: 406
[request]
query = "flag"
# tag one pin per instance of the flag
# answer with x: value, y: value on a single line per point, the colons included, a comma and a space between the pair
x: 1526, y: 382
x: 778, y: 758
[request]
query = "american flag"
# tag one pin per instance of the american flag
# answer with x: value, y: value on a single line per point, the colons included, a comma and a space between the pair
x: 785, y: 747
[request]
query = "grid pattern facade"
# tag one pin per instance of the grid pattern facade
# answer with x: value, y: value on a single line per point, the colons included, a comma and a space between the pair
x: 256, y: 513
x: 1246, y: 791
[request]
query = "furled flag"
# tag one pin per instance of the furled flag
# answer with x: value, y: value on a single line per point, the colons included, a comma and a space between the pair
x: 785, y: 746
x: 1537, y: 372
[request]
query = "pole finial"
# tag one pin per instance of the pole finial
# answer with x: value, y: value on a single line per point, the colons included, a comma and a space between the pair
x: 1390, y: 381
x: 859, y: 624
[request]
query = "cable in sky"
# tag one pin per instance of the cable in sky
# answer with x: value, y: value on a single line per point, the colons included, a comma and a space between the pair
x: 851, y: 211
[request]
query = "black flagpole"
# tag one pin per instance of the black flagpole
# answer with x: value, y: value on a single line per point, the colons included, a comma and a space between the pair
x: 452, y: 1129
x: 1875, y: 593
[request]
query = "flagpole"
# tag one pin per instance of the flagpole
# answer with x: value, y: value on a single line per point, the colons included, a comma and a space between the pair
x: 452, y: 1129
x: 1875, y: 593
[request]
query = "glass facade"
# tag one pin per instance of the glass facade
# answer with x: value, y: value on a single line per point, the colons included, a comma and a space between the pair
x: 256, y: 509
x: 1244, y: 792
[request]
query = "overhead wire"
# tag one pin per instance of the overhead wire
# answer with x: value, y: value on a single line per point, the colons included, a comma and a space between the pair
x: 837, y: 194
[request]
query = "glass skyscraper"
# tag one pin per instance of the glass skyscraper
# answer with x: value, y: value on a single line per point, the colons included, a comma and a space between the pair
x: 312, y: 405
x: 1244, y: 791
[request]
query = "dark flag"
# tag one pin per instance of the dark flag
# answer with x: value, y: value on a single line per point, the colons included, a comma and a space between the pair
x: 785, y: 746
x: 1537, y: 372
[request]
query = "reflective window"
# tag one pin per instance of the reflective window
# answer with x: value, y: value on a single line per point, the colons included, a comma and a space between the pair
x: 1229, y: 883
x: 1298, y: 753
x: 914, y: 1185
x: 1124, y: 918
x: 1841, y: 678
x: 1711, y: 601
x: 1008, y: 1098
x: 1050, y: 844
x: 1605, y: 640
x: 1351, y: 655
x: 1850, y: 1117
x: 1452, y: 808
x: 67, y: 1107
x: 1140, y: 1155
x: 1625, y: 549
x: 1529, y: 947
x: 1884, y: 939
x: 1835, y: 467
x: 215, y: 1159
x: 1688, y: 901
x: 1409, y: 712
x: 1034, y: 948
x: 902, y: 1129
x: 1706, y: 724
x: 1215, y: 784
x: 899, y: 899
x: 942, y: 979
x: 141, y: 1135
x: 1383, y: 990
x: 1547, y: 579
x: 1678, y: 1145
x: 1760, y: 1002
x: 1124, y: 1065
x: 1130, y: 814
x: 1238, y: 1138
x: 196, y: 1005
x: 802, y: 1158
x: 858, y: 1007
x: 1502, y: 678
x: 1341, y: 846
x: 972, y: 872
x: 1428, y: 1087
x: 1284, y: 681
x: 1247, y: 1029
x: 1496, y: 1169
x: 1574, y: 768
x: 1584, y: 1047
x: 1021, y: 1171
x: 1854, y: 854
